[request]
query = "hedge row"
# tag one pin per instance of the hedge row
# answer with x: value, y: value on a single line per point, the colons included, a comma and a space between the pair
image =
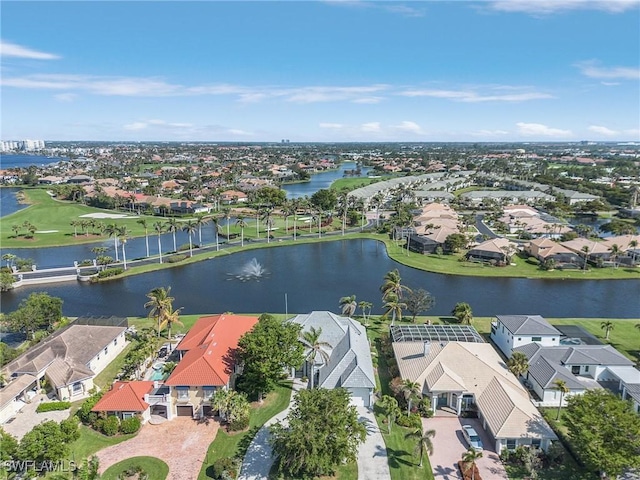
x: 52, y: 406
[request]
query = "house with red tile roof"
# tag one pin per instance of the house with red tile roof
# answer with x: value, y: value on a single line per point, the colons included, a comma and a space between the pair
x: 126, y: 400
x: 207, y: 362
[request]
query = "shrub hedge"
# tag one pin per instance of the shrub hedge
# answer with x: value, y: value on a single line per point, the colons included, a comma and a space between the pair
x: 52, y: 406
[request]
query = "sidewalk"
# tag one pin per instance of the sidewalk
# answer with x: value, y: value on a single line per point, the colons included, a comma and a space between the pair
x: 258, y: 460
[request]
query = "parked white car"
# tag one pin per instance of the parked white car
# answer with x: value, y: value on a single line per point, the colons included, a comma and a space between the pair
x: 471, y: 436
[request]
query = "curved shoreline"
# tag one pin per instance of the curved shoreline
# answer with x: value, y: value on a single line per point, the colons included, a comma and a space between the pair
x: 398, y: 254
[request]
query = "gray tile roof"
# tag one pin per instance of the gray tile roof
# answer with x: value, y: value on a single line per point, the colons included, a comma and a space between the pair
x: 15, y: 388
x: 527, y: 325
x: 634, y: 392
x: 545, y: 372
x: 350, y: 364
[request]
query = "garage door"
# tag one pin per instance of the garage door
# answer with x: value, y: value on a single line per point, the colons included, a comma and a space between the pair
x: 185, y: 411
x: 206, y: 410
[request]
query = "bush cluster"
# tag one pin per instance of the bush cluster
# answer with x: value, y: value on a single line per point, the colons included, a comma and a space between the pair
x: 52, y: 406
x: 225, y: 467
x: 239, y: 423
x: 109, y: 426
x: 130, y: 425
x: 411, y: 421
x: 110, y: 272
x: 176, y: 258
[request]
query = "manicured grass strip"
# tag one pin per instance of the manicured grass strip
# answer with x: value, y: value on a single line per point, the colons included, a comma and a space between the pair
x: 154, y: 467
x: 106, y: 377
x: 236, y: 444
x: 91, y: 442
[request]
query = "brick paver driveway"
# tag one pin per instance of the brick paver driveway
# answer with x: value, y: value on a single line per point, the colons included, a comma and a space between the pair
x: 449, y: 446
x: 181, y: 443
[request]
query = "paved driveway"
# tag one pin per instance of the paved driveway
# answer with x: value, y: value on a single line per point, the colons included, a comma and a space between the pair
x: 27, y: 418
x: 449, y: 446
x: 181, y: 443
x: 372, y: 454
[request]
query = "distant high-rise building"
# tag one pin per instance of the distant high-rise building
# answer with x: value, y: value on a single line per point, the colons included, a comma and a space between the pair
x: 21, y: 145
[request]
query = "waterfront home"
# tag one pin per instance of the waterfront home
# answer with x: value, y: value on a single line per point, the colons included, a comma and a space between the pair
x: 511, y: 331
x: 495, y: 251
x: 69, y: 359
x: 461, y: 375
x: 581, y: 367
x: 207, y: 363
x: 545, y: 249
x: 350, y: 365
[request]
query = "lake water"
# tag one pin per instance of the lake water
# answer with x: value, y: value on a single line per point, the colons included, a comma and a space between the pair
x: 24, y: 161
x: 9, y: 202
x: 322, y: 180
x: 316, y: 276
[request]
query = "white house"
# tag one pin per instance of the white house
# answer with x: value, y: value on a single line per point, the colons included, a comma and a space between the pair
x: 458, y: 372
x: 511, y: 331
x: 68, y: 360
x: 350, y: 365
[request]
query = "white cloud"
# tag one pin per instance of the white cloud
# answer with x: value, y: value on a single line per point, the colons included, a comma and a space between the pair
x: 12, y: 50
x: 331, y: 125
x: 236, y: 131
x: 65, y: 97
x: 546, y: 7
x: 370, y: 127
x: 368, y: 100
x: 408, y: 126
x: 607, y: 132
x: 540, y: 130
x: 471, y: 96
x: 404, y: 10
x: 158, y: 124
x: 634, y: 132
x: 591, y: 69
x: 489, y: 133
x: 136, y: 126
x: 610, y: 84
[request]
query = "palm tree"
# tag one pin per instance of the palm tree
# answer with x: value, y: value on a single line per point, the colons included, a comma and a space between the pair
x: 216, y: 227
x: 395, y: 307
x: 99, y: 251
x: 311, y: 340
x: 10, y: 259
x: 348, y: 305
x: 111, y: 230
x: 160, y: 302
x: 227, y: 216
x: 159, y: 229
x: 615, y: 253
x: 241, y: 222
x: 200, y: 221
x: 469, y: 460
x: 585, y: 250
x: 190, y: 227
x: 170, y: 317
x: 462, y: 311
x: 123, y: 236
x: 75, y: 224
x: 288, y: 209
x: 607, y: 326
x: 391, y: 410
x: 392, y: 285
x: 145, y: 225
x: 410, y: 390
x: 364, y: 306
x: 518, y: 363
x: 173, y: 227
x: 424, y: 441
x: 637, y: 325
x: 561, y: 386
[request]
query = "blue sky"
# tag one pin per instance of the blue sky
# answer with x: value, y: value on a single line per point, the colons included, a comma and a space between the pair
x: 504, y: 70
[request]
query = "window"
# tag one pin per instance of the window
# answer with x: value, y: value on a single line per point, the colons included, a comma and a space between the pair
x: 126, y: 415
x: 115, y: 342
x: 106, y: 350
x: 586, y: 369
x: 553, y: 339
x: 536, y: 339
x: 575, y: 369
x: 207, y: 392
x: 77, y: 387
x: 511, y: 443
x: 519, y: 339
x: 98, y: 357
x: 183, y: 393
x: 535, y: 442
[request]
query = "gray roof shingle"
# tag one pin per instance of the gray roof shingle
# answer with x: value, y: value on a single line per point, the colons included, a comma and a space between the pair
x: 527, y: 325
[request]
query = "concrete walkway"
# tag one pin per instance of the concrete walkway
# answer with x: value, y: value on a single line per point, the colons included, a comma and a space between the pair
x: 372, y: 455
x: 27, y: 418
x: 258, y: 460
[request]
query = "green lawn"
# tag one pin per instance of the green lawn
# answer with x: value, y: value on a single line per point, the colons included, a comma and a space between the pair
x: 47, y: 213
x: 352, y: 183
x: 236, y: 444
x: 154, y: 467
x: 106, y: 377
x: 91, y: 442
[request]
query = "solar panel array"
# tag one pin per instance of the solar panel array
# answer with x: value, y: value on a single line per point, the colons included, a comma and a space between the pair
x: 435, y: 333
